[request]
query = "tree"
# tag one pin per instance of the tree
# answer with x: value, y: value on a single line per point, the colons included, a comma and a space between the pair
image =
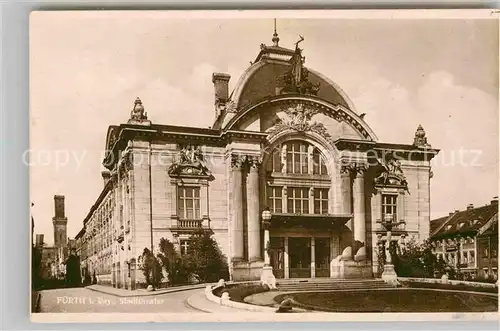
x: 73, y: 276
x: 172, y: 263
x: 205, y: 259
x: 417, y: 260
x: 36, y: 267
x: 151, y: 268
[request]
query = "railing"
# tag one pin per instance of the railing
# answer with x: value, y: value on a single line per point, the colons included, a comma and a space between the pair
x: 190, y: 224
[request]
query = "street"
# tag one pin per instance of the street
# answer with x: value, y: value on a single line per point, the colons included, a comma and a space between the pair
x: 82, y: 300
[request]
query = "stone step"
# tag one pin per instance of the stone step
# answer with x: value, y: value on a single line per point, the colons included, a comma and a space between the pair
x: 331, y: 284
x: 327, y: 280
x: 335, y: 285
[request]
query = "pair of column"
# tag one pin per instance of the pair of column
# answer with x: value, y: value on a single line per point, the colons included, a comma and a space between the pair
x: 357, y: 192
x: 239, y: 164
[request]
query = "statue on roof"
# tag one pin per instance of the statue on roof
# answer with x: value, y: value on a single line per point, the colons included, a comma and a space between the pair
x: 296, y: 80
x: 420, y: 139
x: 137, y: 114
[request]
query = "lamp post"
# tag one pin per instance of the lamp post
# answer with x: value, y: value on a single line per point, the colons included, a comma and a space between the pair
x: 267, y: 276
x: 389, y: 275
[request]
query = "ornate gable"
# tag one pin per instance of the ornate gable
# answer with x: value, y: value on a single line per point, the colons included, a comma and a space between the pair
x: 190, y: 163
x: 298, y: 118
x: 389, y: 174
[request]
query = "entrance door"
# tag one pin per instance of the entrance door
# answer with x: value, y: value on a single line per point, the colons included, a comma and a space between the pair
x: 322, y: 257
x: 299, y: 250
x: 276, y: 255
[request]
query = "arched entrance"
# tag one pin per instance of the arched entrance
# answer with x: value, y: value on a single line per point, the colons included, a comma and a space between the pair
x: 299, y: 192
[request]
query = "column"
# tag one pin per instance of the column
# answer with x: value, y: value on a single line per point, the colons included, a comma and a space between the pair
x: 313, y: 257
x: 346, y: 193
x: 253, y: 211
x: 287, y: 260
x: 345, y: 178
x: 237, y: 208
x: 359, y: 212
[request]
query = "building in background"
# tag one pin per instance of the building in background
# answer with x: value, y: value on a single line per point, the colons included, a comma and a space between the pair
x: 53, y: 262
x: 468, y: 240
x: 286, y: 138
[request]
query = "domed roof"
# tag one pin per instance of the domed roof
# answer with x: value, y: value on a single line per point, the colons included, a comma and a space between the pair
x: 265, y: 76
x: 260, y: 81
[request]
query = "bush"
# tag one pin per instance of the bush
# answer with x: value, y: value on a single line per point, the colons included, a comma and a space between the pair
x: 151, y: 268
x: 173, y: 264
x: 204, y: 258
x: 416, y: 260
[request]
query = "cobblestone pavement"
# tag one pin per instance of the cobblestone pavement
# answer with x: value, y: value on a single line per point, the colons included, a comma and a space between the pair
x: 82, y: 300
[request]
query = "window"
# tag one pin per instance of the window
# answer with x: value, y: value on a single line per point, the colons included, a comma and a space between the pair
x: 296, y: 158
x: 389, y: 206
x: 319, y: 167
x: 184, y: 246
x: 298, y: 200
x: 320, y: 201
x: 189, y: 202
x: 274, y: 199
x: 464, y: 258
x: 471, y: 257
x: 276, y: 165
x: 486, y: 252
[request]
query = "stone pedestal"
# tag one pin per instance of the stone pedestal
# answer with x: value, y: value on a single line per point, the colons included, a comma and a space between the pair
x: 355, y: 269
x: 267, y: 277
x: 389, y: 275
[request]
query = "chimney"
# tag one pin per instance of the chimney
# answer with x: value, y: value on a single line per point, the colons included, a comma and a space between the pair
x: 494, y: 201
x: 59, y: 206
x: 221, y: 86
x: 451, y: 213
x: 470, y: 206
x: 106, y: 175
x: 456, y: 210
x: 39, y: 240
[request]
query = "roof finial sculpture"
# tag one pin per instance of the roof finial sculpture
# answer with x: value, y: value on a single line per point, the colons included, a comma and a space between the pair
x: 137, y: 114
x: 275, y: 39
x: 420, y: 139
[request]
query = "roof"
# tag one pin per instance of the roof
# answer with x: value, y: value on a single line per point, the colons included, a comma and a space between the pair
x: 261, y: 79
x: 466, y: 222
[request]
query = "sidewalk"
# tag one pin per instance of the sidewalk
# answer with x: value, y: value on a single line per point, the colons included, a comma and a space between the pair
x: 120, y: 292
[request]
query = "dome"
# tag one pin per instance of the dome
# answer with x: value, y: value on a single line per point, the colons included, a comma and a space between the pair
x: 265, y: 75
x: 261, y: 79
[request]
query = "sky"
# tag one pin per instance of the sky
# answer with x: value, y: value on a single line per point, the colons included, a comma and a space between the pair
x: 87, y: 68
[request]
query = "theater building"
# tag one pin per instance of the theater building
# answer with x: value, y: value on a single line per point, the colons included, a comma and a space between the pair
x: 287, y: 139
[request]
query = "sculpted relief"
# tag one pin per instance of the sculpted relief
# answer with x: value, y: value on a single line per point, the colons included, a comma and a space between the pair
x: 190, y: 163
x: 299, y: 118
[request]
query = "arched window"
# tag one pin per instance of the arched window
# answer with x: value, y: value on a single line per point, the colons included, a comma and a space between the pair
x: 309, y: 193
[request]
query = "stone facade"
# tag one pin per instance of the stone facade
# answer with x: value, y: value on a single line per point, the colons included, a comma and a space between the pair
x: 287, y: 139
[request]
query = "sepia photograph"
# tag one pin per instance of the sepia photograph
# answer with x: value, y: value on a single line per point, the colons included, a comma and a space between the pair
x: 263, y: 165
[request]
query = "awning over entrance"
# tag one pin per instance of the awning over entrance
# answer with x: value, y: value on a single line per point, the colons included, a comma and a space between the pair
x: 315, y: 221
